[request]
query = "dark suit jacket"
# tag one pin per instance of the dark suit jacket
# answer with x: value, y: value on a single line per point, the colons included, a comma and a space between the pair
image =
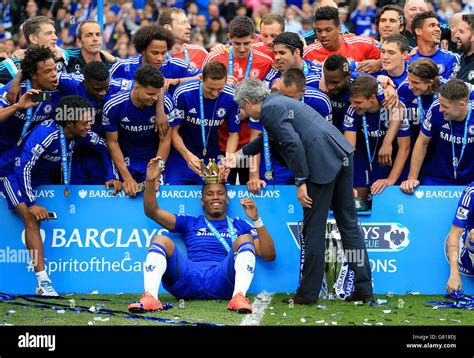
x: 311, y: 146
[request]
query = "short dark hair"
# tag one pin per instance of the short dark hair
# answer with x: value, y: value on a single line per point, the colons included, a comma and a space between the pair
x: 455, y: 90
x: 79, y: 27
x: 400, y: 40
x: 146, y: 34
x: 32, y: 26
x: 364, y: 85
x: 79, y: 104
x: 165, y: 17
x: 420, y: 18
x: 96, y: 70
x: 290, y: 40
x: 401, y: 14
x: 469, y: 19
x: 427, y: 70
x: 327, y: 13
x: 269, y: 19
x: 206, y: 184
x: 214, y: 70
x: 337, y: 62
x: 294, y: 75
x: 34, y: 55
x: 148, y: 75
x: 241, y: 26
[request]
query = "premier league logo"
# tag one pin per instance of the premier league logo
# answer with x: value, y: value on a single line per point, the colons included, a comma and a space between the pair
x: 94, y: 138
x: 427, y: 125
x: 348, y: 121
x: 441, y: 68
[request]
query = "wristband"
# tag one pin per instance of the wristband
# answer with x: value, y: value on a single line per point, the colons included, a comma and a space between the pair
x: 258, y: 223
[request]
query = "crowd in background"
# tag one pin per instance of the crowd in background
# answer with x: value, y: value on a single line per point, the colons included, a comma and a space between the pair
x: 209, y: 19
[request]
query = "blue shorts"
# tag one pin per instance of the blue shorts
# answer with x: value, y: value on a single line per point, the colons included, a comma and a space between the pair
x: 199, y: 280
x: 137, y: 169
x: 10, y: 188
x: 87, y: 168
x: 363, y: 176
x: 178, y: 172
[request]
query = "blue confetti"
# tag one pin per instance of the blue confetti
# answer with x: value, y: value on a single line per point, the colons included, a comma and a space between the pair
x: 456, y: 299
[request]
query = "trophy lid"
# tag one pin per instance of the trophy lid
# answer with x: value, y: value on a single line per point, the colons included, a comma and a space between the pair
x: 211, y: 174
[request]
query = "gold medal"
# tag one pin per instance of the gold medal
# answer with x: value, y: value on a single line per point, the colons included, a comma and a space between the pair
x: 204, y: 152
x: 66, y: 193
x: 268, y: 175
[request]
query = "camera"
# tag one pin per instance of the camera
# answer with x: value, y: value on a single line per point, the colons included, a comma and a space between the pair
x: 42, y: 96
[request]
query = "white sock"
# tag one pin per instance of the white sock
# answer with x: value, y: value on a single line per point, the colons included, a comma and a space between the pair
x: 244, y: 268
x: 41, y: 276
x: 155, y: 267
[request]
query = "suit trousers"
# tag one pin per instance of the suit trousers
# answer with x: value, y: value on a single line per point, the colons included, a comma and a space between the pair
x: 337, y: 194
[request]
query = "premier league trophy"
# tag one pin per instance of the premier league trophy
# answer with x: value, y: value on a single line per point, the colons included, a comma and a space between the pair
x: 333, y: 258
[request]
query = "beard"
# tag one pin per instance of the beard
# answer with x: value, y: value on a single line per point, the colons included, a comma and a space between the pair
x: 464, y: 47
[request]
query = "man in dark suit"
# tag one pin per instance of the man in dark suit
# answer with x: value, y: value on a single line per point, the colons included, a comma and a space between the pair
x: 322, y: 162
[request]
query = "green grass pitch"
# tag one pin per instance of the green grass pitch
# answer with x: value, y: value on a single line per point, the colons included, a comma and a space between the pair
x: 406, y: 310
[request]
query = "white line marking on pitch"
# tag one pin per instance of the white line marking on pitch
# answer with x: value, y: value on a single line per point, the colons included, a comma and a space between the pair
x: 261, y: 302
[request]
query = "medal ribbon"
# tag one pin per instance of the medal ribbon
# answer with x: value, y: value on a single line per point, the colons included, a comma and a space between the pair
x: 217, y: 234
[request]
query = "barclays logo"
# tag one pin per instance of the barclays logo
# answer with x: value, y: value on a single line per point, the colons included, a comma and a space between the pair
x: 437, y: 194
x: 268, y: 194
x: 101, y: 194
x: 82, y: 193
x: 44, y: 193
x: 385, y: 237
x: 378, y: 237
x: 179, y: 194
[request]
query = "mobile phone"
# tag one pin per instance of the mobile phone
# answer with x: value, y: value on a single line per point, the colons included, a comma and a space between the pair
x: 43, y: 96
x: 52, y: 215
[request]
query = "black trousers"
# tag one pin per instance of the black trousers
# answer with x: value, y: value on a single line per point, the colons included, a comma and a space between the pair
x: 339, y: 195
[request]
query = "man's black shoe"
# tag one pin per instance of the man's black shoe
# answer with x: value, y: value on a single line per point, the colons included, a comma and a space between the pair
x: 297, y: 299
x: 356, y: 296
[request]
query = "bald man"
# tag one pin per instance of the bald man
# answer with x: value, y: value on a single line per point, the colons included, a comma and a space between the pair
x: 411, y: 9
x: 454, y: 22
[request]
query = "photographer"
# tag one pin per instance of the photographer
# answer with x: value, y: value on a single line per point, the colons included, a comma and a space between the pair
x: 38, y: 74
